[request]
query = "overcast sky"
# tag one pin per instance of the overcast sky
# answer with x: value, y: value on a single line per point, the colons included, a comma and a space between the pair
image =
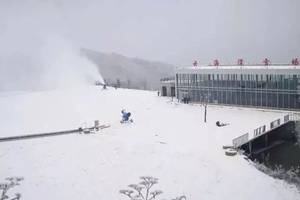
x: 173, y: 31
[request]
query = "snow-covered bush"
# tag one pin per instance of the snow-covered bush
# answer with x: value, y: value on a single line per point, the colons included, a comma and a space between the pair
x: 10, y: 183
x: 291, y: 175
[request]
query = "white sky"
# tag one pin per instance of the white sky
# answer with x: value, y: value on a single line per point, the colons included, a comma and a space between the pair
x: 173, y: 31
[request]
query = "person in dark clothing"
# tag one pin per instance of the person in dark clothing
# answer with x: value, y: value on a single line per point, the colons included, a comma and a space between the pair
x: 188, y: 100
x: 219, y: 124
x: 185, y: 100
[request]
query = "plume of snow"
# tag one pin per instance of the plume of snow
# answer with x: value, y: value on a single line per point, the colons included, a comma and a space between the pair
x: 36, y: 50
x: 65, y: 66
x: 52, y: 63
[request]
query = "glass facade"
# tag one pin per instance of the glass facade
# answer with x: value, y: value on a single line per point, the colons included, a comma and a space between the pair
x: 278, y: 91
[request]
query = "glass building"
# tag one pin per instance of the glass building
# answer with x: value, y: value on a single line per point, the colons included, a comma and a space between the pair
x: 275, y: 87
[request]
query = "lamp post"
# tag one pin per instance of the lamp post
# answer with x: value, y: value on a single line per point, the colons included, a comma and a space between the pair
x: 205, y: 111
x: 204, y: 98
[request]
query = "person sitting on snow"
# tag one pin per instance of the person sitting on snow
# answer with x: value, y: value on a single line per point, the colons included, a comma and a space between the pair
x: 219, y: 124
x: 125, y: 116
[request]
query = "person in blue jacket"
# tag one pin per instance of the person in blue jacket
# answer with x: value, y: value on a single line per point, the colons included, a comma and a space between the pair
x: 125, y: 116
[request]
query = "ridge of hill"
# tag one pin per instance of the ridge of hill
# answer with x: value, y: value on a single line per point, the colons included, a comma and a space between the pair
x: 134, y: 73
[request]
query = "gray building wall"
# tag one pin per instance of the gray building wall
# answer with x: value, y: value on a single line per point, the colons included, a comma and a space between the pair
x: 276, y: 87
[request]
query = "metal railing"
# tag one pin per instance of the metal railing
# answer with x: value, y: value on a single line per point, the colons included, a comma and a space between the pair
x: 243, y: 139
x: 276, y: 123
x: 294, y: 117
x: 259, y: 131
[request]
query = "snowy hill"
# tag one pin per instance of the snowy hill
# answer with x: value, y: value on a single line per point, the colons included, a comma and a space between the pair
x: 131, y: 72
x: 167, y: 140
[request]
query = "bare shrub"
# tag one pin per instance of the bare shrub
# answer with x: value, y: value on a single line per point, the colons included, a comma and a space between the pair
x: 6, y: 186
x: 142, y: 190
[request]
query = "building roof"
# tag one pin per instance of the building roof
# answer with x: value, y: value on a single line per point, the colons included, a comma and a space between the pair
x: 245, y: 69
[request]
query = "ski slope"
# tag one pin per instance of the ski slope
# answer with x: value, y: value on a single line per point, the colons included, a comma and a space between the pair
x: 167, y: 140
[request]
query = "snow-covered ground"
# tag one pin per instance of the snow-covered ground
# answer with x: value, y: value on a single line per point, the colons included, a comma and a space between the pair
x: 167, y: 140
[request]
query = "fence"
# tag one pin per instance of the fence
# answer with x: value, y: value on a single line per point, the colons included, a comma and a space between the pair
x: 294, y: 117
x: 259, y: 131
x: 239, y: 141
x: 276, y: 123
